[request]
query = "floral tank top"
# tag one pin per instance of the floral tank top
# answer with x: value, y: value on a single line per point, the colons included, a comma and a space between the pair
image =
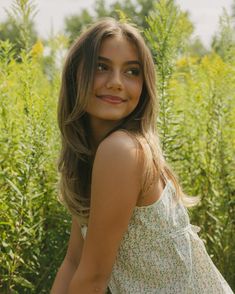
x: 161, y: 253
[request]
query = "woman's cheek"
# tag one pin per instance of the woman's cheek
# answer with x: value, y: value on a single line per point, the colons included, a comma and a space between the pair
x: 99, y: 80
x: 137, y: 87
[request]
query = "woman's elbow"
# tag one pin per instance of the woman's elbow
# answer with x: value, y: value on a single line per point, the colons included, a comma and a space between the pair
x: 88, y: 283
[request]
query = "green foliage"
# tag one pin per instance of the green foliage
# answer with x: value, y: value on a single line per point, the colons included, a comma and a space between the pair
x: 196, y: 94
x: 168, y: 34
x: 196, y: 122
x: 233, y: 9
x: 19, y: 28
x: 224, y: 42
x: 204, y: 91
x: 32, y: 225
x: 74, y: 24
x: 135, y: 10
x: 197, y: 48
x: 9, y: 30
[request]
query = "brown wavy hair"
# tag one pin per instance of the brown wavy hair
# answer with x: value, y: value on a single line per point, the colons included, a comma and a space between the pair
x: 76, y: 157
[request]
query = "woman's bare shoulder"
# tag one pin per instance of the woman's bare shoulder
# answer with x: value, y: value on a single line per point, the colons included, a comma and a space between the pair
x: 117, y: 152
x: 119, y: 141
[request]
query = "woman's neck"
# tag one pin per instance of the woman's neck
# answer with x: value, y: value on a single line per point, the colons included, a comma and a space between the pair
x: 99, y: 129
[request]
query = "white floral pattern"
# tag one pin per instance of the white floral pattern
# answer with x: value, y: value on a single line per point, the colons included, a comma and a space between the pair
x: 161, y: 253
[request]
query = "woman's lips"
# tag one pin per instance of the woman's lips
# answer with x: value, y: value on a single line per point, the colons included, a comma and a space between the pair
x: 111, y: 99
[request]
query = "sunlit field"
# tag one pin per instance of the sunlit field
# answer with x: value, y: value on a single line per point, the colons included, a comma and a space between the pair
x: 196, y: 91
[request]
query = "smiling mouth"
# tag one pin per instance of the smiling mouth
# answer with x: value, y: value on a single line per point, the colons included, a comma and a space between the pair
x: 111, y: 99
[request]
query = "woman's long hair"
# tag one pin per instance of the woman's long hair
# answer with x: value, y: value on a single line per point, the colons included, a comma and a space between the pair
x: 76, y: 157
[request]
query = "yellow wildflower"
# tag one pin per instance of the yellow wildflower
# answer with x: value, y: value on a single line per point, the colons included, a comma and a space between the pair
x: 186, y: 61
x: 37, y: 49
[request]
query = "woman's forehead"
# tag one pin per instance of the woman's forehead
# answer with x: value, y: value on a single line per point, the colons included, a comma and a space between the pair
x: 119, y: 46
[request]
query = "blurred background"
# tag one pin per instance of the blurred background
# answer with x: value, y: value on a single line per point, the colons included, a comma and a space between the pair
x: 56, y: 15
x: 193, y: 46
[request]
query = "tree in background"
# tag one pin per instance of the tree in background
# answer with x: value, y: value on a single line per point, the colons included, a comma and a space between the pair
x: 75, y: 23
x: 196, y: 48
x: 224, y: 41
x: 9, y: 30
x: 19, y: 27
x: 135, y: 10
x: 233, y: 10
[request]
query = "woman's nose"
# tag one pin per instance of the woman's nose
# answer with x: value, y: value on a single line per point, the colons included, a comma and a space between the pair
x: 114, y: 80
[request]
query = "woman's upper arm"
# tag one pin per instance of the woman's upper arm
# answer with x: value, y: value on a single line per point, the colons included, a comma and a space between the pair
x: 114, y: 193
x: 75, y: 244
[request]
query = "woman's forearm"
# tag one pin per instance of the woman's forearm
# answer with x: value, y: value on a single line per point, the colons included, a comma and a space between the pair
x: 63, y: 277
x: 87, y: 283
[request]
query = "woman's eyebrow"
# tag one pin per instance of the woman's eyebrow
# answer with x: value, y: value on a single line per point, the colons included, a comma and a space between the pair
x: 127, y: 62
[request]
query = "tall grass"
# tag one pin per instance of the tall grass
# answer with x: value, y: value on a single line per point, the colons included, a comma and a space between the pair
x: 196, y: 120
x: 196, y: 126
x: 33, y: 225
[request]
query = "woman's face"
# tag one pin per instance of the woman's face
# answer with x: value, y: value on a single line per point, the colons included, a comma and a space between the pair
x: 118, y: 80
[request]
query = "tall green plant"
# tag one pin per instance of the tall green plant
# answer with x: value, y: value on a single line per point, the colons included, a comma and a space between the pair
x: 21, y: 15
x: 204, y: 91
x: 32, y: 224
x: 196, y: 117
x: 224, y: 41
x: 168, y: 33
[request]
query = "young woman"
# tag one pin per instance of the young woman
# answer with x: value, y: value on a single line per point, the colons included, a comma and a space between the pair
x: 130, y: 228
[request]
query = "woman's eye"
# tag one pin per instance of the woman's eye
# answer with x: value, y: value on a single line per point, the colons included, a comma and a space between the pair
x: 101, y: 67
x: 133, y: 71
